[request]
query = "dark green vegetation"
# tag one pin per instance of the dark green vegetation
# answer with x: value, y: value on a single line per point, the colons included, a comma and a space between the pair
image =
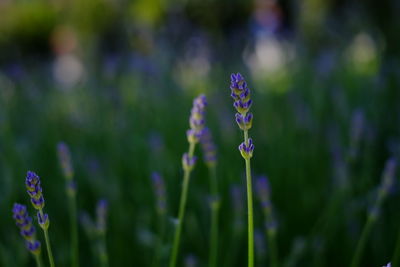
x: 128, y: 114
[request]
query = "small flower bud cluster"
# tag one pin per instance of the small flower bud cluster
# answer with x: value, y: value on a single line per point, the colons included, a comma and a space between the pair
x: 24, y: 223
x: 208, y: 147
x: 159, y: 191
x: 34, y: 190
x: 196, y: 130
x: 242, y: 102
x: 64, y: 157
x: 196, y: 120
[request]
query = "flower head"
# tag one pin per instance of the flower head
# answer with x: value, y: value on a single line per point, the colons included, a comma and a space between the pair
x: 240, y: 93
x: 247, y: 149
x: 188, y: 162
x: 196, y: 119
x: 27, y: 230
x: 34, y: 190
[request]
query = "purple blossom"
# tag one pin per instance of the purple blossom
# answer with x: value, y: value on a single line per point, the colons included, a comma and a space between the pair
x: 247, y: 149
x: 188, y: 162
x: 34, y: 190
x: 240, y: 93
x: 196, y: 119
x: 27, y: 230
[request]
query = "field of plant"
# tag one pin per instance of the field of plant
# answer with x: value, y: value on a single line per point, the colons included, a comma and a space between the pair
x: 179, y: 138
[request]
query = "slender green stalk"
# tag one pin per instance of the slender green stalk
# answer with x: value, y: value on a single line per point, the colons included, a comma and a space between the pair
x: 103, y: 255
x: 74, y: 230
x: 273, y: 254
x: 214, y: 217
x: 362, y: 242
x: 182, y: 205
x: 158, y: 247
x: 38, y: 260
x: 249, y: 207
x: 48, y: 245
x: 396, y: 255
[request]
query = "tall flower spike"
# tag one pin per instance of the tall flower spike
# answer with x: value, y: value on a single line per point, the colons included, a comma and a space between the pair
x: 34, y: 190
x: 196, y: 122
x: 27, y: 230
x: 242, y: 102
x: 196, y: 119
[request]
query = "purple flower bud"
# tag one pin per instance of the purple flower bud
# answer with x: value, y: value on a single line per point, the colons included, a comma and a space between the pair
x: 188, y: 162
x: 43, y: 220
x: 240, y: 93
x: 159, y: 191
x: 34, y: 190
x: 27, y: 230
x: 244, y: 121
x: 33, y: 246
x: 247, y: 149
x: 196, y: 119
x: 64, y: 157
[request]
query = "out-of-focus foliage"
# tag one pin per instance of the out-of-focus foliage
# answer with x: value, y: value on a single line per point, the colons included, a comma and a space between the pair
x: 115, y: 81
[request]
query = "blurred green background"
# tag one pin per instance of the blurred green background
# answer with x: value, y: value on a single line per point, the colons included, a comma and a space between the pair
x: 115, y: 81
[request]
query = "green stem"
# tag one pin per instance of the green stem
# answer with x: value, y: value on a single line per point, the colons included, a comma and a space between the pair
x: 50, y: 254
x: 74, y: 231
x: 48, y: 246
x: 38, y: 260
x: 272, y: 248
x: 103, y: 255
x: 158, y: 247
x: 362, y: 242
x: 249, y: 208
x: 396, y: 255
x: 214, y: 217
x: 181, y: 213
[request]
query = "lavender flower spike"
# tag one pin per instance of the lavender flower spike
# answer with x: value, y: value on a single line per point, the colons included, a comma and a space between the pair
x: 196, y: 119
x: 24, y: 223
x: 194, y: 134
x: 34, y: 190
x: 242, y: 102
